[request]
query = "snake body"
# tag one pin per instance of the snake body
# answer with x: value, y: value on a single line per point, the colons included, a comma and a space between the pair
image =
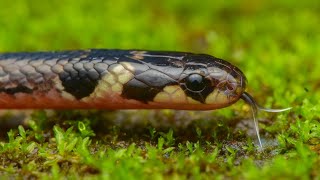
x: 117, y: 79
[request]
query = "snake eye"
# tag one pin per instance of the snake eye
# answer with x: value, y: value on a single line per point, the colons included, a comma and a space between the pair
x: 195, y: 82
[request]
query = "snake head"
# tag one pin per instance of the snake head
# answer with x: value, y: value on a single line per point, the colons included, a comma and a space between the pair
x: 183, y: 80
x: 211, y: 81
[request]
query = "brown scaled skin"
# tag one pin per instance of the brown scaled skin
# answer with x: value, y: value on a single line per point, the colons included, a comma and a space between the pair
x: 117, y: 79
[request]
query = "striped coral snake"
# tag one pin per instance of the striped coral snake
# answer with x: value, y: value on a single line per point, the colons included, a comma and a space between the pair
x: 121, y: 79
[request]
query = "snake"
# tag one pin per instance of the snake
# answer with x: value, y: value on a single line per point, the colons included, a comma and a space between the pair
x: 120, y: 79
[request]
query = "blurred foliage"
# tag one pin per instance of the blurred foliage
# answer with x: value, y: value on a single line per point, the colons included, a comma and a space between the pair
x: 275, y: 42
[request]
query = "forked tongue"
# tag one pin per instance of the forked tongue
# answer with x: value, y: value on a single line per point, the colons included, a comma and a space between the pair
x: 255, y: 108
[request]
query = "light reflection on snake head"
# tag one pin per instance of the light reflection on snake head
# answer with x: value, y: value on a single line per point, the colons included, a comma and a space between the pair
x: 211, y: 80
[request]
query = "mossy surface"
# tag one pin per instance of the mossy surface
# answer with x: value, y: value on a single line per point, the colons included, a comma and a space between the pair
x: 275, y: 43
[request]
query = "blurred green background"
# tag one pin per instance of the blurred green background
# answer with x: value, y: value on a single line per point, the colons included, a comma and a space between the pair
x: 276, y: 43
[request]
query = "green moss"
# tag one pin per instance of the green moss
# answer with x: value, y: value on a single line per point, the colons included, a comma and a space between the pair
x: 275, y: 43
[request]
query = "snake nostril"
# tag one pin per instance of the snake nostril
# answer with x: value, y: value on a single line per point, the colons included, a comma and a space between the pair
x: 230, y: 87
x: 227, y: 87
